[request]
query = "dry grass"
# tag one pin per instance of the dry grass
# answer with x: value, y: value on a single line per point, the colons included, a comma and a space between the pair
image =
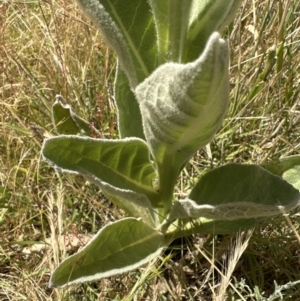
x: 48, y: 48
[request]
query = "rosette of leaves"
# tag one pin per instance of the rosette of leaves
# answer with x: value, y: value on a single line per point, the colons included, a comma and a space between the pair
x: 172, y: 94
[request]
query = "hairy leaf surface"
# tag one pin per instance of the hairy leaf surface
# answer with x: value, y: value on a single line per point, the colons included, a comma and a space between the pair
x: 184, y: 27
x: 205, y: 18
x: 117, y: 248
x: 236, y: 197
x: 171, y: 21
x: 129, y: 114
x: 292, y: 176
x: 120, y: 167
x: 182, y: 107
x: 129, y: 29
x: 279, y: 166
x: 67, y: 122
x: 235, y: 183
x: 237, y: 191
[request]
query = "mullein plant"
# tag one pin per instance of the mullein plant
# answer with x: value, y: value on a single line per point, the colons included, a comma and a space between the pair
x: 172, y: 93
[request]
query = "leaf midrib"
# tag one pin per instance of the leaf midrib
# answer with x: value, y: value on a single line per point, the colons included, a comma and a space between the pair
x: 130, y: 41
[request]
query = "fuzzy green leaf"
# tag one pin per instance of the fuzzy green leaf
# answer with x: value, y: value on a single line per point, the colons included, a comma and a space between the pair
x: 236, y: 184
x: 171, y: 20
x: 129, y: 29
x: 183, y: 27
x: 287, y: 167
x: 279, y: 166
x: 67, y: 122
x: 117, y: 248
x: 120, y: 167
x: 63, y: 120
x: 148, y: 215
x: 292, y: 176
x: 237, y: 193
x: 182, y: 107
x: 129, y: 114
x: 205, y: 18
